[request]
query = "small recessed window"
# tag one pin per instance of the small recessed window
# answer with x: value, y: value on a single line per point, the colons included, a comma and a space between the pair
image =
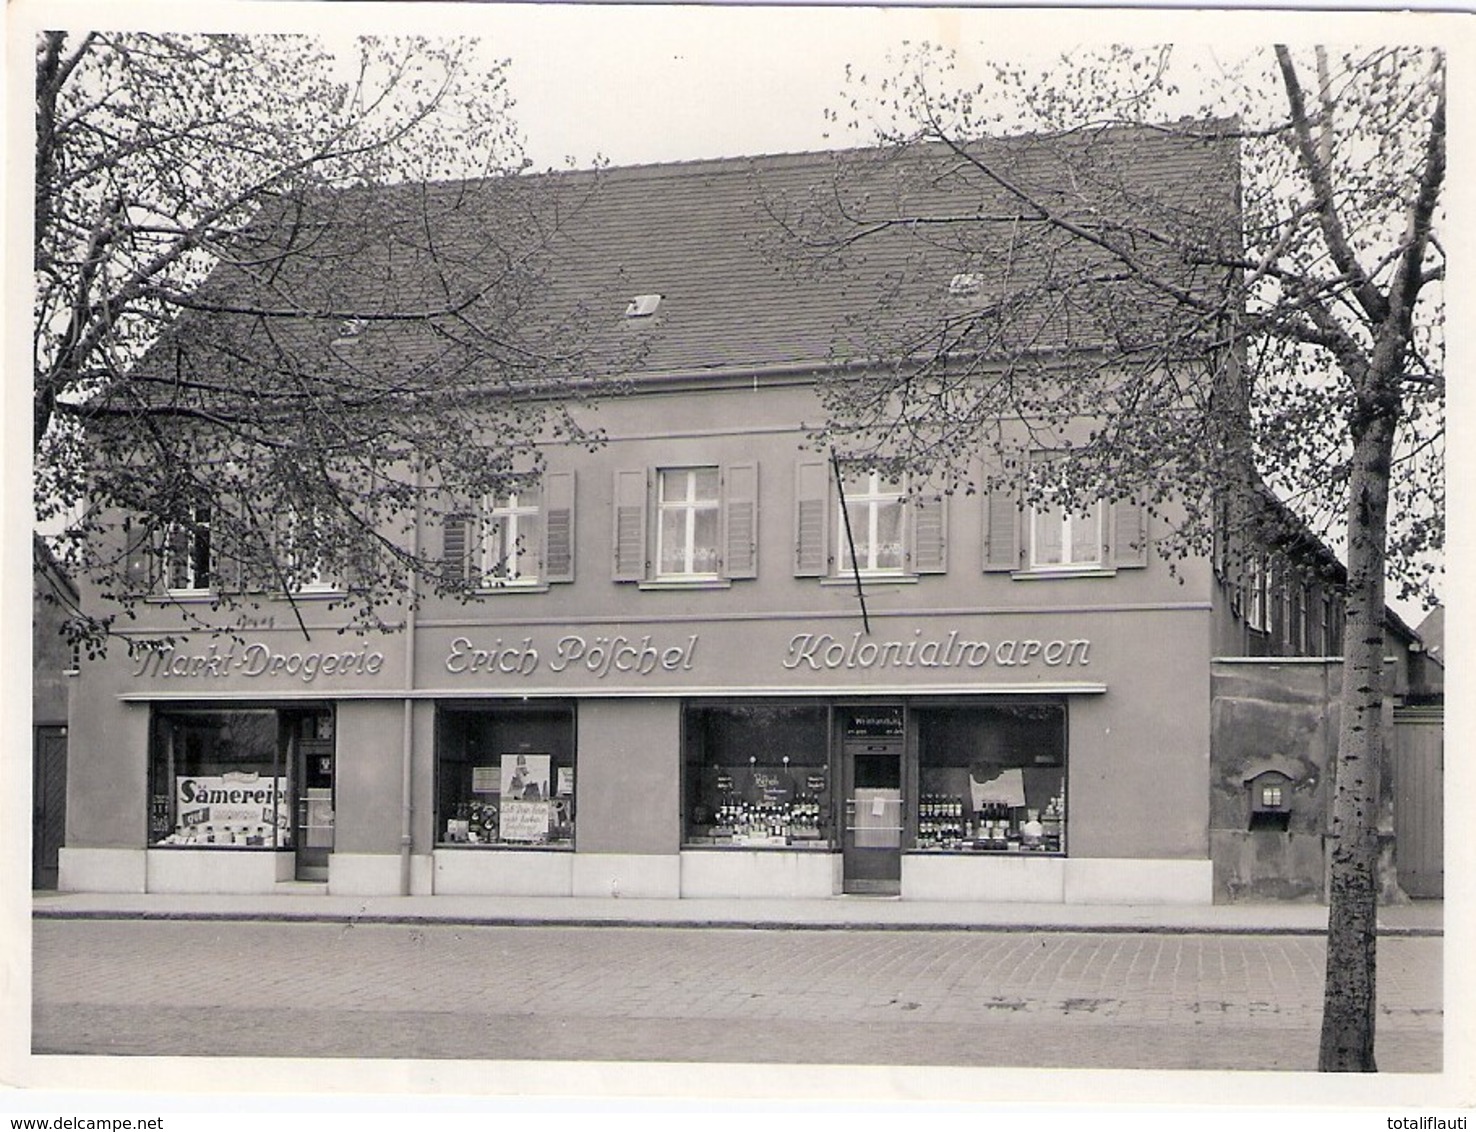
x: 1271, y: 796
x: 643, y: 306
x: 965, y: 284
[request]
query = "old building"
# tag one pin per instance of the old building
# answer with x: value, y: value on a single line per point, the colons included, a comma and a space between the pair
x: 690, y: 669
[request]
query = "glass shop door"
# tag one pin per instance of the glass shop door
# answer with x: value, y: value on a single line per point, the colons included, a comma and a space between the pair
x: 871, y: 763
x: 313, y: 835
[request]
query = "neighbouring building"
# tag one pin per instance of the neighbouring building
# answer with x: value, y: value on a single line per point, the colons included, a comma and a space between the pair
x: 670, y: 690
x: 53, y: 667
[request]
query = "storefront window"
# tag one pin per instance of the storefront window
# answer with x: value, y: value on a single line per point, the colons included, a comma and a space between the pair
x: 758, y: 775
x: 505, y: 776
x: 220, y: 778
x: 992, y: 778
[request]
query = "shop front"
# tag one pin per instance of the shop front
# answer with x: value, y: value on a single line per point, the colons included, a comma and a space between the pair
x: 882, y: 788
x: 940, y: 756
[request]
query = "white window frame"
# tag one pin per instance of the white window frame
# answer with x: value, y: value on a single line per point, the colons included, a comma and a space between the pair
x: 689, y: 505
x: 308, y: 580
x: 1045, y: 473
x: 514, y: 560
x: 191, y: 533
x: 876, y: 495
x: 1069, y: 524
x: 1257, y: 607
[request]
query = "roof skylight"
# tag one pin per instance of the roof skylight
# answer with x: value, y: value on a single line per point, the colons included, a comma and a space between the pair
x: 643, y: 306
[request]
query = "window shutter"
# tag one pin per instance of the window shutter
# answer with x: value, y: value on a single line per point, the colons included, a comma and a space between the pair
x: 740, y: 521
x: 1003, y: 546
x: 558, y: 527
x: 929, y: 544
x: 141, y: 562
x: 177, y: 557
x: 811, y: 525
x: 455, y: 546
x: 1129, y: 536
x: 630, y: 526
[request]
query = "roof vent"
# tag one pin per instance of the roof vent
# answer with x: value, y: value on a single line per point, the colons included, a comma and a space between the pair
x: 643, y: 306
x: 351, y: 329
x: 965, y: 285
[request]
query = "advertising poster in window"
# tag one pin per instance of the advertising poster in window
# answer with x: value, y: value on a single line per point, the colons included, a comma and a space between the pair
x: 232, y: 808
x: 525, y: 798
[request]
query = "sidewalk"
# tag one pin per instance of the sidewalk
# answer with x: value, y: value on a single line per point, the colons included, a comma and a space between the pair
x: 1422, y: 918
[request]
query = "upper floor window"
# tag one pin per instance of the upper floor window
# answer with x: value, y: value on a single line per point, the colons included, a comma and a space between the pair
x: 304, y: 543
x: 896, y: 533
x: 871, y: 523
x: 188, y: 560
x: 1053, y: 538
x: 508, y: 554
x: 692, y: 525
x: 1063, y: 534
x: 1061, y: 537
x: 1257, y: 583
x: 518, y: 539
x: 689, y: 510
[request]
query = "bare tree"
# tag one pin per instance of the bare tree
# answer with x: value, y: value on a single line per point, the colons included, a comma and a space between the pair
x: 281, y: 298
x: 1238, y: 304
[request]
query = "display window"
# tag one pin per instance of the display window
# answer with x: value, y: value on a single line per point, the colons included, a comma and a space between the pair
x: 758, y: 775
x: 505, y: 776
x: 223, y: 778
x: 991, y: 778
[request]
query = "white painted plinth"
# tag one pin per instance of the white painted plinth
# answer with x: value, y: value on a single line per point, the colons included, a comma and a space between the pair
x: 422, y: 874
x: 501, y: 872
x: 364, y: 874
x: 218, y: 870
x: 994, y: 878
x: 739, y: 873
x: 1100, y: 880
x: 102, y: 870
x: 628, y: 874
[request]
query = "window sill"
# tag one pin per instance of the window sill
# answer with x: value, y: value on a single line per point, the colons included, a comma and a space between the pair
x: 483, y: 846
x: 316, y: 593
x: 849, y: 580
x: 185, y: 597
x: 1044, y: 573
x: 686, y: 584
x: 217, y: 847
x: 514, y: 588
x: 765, y: 845
x: 973, y: 851
x: 207, y: 597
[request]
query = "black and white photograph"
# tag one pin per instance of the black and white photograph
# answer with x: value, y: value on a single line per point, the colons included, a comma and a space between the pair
x: 886, y: 559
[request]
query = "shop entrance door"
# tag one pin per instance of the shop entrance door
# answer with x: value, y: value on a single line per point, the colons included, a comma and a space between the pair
x: 871, y: 846
x: 314, y: 773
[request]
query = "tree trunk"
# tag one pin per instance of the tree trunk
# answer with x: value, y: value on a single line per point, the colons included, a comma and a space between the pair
x: 1352, y: 933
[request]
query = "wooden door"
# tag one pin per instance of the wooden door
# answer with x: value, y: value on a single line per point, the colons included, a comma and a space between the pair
x: 1419, y: 800
x: 48, y: 804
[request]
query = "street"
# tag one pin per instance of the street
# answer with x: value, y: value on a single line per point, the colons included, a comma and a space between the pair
x: 949, y: 998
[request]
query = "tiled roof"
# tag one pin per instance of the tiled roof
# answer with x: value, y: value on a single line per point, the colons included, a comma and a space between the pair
x: 560, y: 255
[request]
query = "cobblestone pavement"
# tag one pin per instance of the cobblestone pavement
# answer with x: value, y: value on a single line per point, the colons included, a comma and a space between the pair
x: 1057, y: 999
